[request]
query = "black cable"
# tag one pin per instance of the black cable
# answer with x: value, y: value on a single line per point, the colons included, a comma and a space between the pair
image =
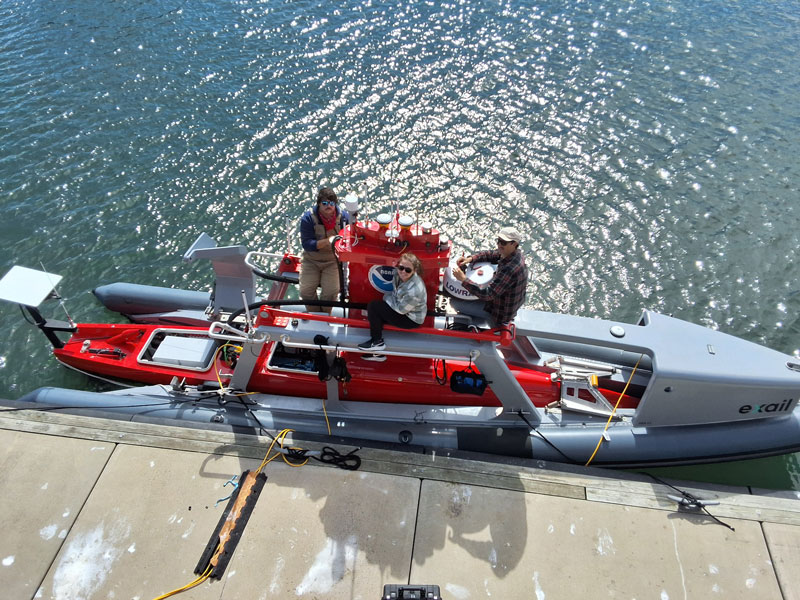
x: 544, y: 439
x: 261, y: 428
x: 349, y: 462
x: 693, y: 502
x: 330, y: 456
x: 25, y: 316
x: 279, y: 278
x: 299, y: 455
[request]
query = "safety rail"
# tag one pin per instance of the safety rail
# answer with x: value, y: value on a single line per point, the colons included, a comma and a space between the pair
x: 254, y: 253
x: 234, y: 335
x: 578, y: 367
x: 286, y: 341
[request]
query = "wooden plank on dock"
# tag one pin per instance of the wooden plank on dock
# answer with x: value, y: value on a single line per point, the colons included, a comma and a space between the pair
x: 737, y: 506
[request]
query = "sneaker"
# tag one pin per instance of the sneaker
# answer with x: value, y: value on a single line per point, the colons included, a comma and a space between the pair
x: 372, y: 345
x: 374, y: 357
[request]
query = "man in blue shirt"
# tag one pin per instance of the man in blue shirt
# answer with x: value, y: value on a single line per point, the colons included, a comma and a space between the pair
x: 319, y: 267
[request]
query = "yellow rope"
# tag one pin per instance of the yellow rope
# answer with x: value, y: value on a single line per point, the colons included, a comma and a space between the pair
x: 611, y: 416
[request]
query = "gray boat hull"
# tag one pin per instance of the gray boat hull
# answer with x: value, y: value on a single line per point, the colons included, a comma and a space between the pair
x: 625, y: 446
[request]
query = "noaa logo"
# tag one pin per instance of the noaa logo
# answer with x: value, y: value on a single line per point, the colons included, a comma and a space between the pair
x: 381, y: 277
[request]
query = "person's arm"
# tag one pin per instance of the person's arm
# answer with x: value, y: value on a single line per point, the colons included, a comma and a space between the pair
x: 501, y: 284
x: 482, y: 293
x: 308, y: 237
x: 491, y: 256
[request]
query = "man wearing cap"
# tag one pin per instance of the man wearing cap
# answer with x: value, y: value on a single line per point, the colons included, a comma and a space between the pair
x: 506, y: 291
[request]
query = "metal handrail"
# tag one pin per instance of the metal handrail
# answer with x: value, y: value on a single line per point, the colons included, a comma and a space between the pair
x: 234, y: 334
x: 252, y: 253
x: 502, y: 337
x: 285, y: 340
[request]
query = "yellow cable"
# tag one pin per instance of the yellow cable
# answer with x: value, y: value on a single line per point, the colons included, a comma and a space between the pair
x: 279, y: 438
x: 611, y: 416
x: 206, y: 574
x: 216, y: 355
x: 328, y: 423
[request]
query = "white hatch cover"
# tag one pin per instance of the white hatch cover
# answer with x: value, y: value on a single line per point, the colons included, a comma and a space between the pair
x: 189, y: 352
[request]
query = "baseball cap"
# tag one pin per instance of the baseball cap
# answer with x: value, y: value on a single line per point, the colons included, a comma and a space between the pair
x: 509, y: 234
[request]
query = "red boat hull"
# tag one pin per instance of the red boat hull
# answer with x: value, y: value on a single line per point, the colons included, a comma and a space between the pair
x: 119, y: 351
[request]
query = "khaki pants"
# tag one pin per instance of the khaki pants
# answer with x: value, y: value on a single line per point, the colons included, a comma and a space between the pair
x: 315, y: 275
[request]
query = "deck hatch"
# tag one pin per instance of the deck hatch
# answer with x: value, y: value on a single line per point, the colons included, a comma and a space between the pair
x: 182, y: 349
x: 189, y: 352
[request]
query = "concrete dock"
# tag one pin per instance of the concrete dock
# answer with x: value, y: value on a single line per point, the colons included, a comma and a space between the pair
x: 100, y: 508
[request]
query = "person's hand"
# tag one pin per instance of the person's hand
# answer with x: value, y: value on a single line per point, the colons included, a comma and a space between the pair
x: 463, y: 260
x: 459, y: 274
x: 323, y: 244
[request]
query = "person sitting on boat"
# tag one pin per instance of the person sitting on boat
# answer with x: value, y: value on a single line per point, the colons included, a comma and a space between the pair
x: 319, y: 267
x: 506, y: 291
x: 405, y: 306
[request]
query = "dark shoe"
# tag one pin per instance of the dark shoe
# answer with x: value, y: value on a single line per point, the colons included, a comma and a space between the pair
x: 372, y: 345
x: 374, y: 357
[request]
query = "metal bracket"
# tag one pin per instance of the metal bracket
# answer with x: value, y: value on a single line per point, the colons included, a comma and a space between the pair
x: 576, y: 375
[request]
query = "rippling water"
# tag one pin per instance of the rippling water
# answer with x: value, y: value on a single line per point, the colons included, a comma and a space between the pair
x: 647, y: 150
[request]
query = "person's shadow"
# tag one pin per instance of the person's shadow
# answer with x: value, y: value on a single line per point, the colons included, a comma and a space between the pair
x: 393, y: 520
x: 471, y: 517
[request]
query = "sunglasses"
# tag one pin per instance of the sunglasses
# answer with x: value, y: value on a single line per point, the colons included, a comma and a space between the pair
x: 328, y: 202
x: 503, y: 242
x: 406, y: 269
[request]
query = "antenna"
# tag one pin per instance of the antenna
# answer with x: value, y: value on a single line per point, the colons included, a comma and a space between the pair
x: 247, y: 316
x: 57, y: 294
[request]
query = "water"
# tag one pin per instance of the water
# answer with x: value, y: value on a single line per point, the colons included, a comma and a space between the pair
x: 647, y: 150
